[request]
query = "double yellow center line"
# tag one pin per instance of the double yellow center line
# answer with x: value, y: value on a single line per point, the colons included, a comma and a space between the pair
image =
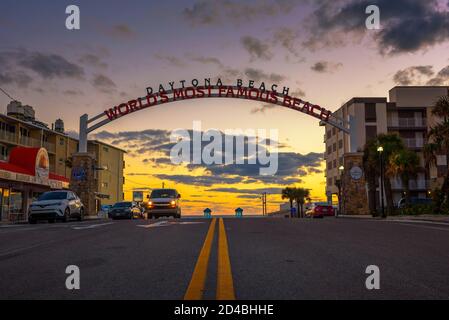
x: 225, y: 285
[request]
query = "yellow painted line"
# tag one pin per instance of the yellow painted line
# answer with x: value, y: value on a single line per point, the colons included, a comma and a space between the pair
x: 198, y: 281
x: 225, y: 284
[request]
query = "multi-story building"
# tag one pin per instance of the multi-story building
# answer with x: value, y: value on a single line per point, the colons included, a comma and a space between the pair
x: 407, y: 113
x: 19, y: 128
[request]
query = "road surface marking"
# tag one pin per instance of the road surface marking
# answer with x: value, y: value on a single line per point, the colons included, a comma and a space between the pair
x: 225, y: 285
x: 92, y: 226
x: 198, y: 281
x: 153, y: 225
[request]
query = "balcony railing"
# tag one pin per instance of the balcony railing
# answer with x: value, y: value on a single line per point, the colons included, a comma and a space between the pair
x: 414, y: 143
x: 407, y: 122
x: 7, y: 136
x: 413, y: 185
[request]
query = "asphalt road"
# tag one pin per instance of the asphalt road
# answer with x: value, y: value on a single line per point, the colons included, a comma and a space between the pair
x: 263, y: 258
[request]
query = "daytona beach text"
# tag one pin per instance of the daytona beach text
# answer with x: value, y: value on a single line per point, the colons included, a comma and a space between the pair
x: 218, y: 91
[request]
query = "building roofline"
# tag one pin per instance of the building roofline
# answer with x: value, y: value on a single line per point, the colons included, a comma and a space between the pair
x: 106, y: 144
x: 365, y: 100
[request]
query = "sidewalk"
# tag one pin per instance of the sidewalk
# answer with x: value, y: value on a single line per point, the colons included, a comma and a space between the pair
x: 86, y: 218
x: 423, y: 218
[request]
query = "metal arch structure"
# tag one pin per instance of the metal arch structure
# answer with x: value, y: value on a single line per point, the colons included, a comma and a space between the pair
x: 87, y: 125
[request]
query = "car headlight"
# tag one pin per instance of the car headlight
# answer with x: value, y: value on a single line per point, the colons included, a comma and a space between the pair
x: 173, y: 202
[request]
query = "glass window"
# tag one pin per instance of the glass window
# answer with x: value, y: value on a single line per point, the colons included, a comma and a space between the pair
x: 370, y: 112
x: 15, y: 201
x: 56, y: 195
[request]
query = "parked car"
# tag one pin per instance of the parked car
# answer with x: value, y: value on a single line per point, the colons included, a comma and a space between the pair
x: 320, y: 210
x: 414, y: 201
x: 125, y: 210
x: 164, y: 203
x: 56, y: 205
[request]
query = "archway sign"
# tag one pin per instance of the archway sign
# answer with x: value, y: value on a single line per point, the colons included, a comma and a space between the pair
x: 207, y: 90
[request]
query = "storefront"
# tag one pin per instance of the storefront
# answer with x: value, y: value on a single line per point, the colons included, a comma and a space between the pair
x: 22, y: 179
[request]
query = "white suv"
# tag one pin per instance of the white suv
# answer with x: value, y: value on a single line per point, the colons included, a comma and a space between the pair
x: 56, y: 205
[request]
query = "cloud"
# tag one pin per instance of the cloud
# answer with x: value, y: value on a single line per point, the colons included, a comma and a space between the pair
x: 247, y: 191
x: 412, y: 75
x: 50, y: 66
x: 259, y: 75
x: 442, y: 78
x: 121, y: 31
x: 256, y: 48
x: 156, y: 144
x: 326, y: 67
x: 407, y: 25
x: 287, y: 38
x: 207, y: 181
x: 92, y: 60
x: 217, y: 12
x: 103, y: 83
x: 18, y: 78
x: 170, y: 60
x: 18, y: 66
x: 207, y: 60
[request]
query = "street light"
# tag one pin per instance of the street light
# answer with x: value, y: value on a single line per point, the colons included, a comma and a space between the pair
x: 340, y: 200
x: 380, y: 149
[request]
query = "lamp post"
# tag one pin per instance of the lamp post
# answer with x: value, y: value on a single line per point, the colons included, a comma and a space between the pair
x: 380, y: 149
x: 340, y: 198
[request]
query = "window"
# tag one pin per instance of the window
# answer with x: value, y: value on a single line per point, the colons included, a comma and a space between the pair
x: 329, y: 165
x: 334, y: 164
x: 105, y: 185
x: 371, y: 132
x: 334, y: 131
x: 61, y: 141
x: 329, y: 134
x: 105, y: 149
x: 329, y: 150
x: 370, y: 112
x: 334, y: 147
x: 340, y: 144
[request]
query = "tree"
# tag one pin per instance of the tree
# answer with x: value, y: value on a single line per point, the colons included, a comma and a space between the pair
x: 403, y: 164
x: 391, y: 143
x: 289, y: 193
x: 438, y: 142
x: 371, y: 169
x: 301, y: 195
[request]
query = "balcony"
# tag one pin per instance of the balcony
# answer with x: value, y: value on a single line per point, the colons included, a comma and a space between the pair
x: 407, y: 122
x: 414, y: 143
x: 7, y: 136
x: 413, y: 185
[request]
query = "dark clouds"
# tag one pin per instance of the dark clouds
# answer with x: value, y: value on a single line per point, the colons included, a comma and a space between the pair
x: 422, y: 75
x: 406, y: 25
x: 103, y: 83
x: 17, y: 65
x: 156, y: 145
x: 257, y: 49
x: 216, y: 12
x: 326, y: 67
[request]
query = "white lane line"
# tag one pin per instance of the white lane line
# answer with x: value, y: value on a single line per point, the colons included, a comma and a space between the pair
x: 421, y: 222
x: 154, y: 225
x: 92, y: 226
x: 166, y: 224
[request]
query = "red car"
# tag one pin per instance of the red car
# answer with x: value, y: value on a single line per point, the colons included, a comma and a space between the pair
x: 320, y: 210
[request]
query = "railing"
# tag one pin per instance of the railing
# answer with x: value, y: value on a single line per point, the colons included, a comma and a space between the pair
x: 412, y: 185
x: 407, y: 122
x: 30, y: 142
x: 414, y: 143
x: 7, y: 136
x: 49, y: 146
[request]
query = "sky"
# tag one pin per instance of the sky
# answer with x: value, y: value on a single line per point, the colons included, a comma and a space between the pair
x: 321, y: 50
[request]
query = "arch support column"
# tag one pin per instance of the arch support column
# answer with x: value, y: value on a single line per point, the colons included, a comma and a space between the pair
x: 83, y: 180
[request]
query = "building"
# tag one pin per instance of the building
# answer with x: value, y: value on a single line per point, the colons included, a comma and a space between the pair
x: 20, y: 128
x: 407, y: 112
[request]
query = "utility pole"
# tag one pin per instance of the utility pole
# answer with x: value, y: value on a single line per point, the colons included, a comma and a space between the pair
x: 264, y: 203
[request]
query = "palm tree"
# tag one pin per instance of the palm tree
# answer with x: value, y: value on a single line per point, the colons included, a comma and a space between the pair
x: 391, y: 143
x: 289, y: 193
x: 371, y: 169
x: 301, y: 195
x: 403, y: 164
x: 438, y: 141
